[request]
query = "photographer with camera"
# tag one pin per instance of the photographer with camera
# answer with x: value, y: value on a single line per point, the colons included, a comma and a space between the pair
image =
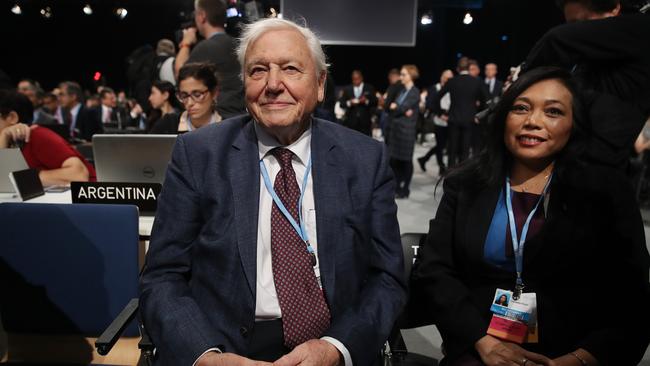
x: 217, y: 48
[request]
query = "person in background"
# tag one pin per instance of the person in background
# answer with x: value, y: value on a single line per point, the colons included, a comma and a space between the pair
x: 605, y: 44
x: 56, y: 161
x: 33, y: 91
x: 466, y: 94
x: 403, y: 114
x: 474, y: 68
x: 493, y: 86
x: 359, y: 101
x: 163, y: 102
x: 394, y: 86
x: 165, y: 57
x: 75, y: 115
x: 50, y: 104
x: 217, y: 48
x: 198, y: 91
x: 525, y: 215
x: 440, y: 118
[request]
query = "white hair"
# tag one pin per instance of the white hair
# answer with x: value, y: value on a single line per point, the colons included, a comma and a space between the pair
x: 253, y: 31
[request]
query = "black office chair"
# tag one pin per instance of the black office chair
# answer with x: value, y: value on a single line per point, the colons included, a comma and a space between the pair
x: 395, y: 351
x: 65, y: 270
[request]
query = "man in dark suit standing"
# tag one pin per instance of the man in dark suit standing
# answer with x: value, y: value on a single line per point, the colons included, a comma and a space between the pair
x: 276, y: 236
x: 75, y: 114
x: 217, y: 48
x: 466, y: 94
x: 493, y: 86
x: 359, y: 101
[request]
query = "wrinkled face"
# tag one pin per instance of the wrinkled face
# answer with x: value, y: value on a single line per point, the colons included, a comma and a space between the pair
x: 357, y: 79
x: 109, y: 100
x: 539, y: 123
x: 404, y: 76
x: 281, y: 81
x: 156, y: 98
x: 575, y: 12
x: 490, y: 71
x: 196, y: 97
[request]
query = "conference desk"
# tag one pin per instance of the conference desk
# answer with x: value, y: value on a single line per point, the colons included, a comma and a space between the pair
x: 144, y: 225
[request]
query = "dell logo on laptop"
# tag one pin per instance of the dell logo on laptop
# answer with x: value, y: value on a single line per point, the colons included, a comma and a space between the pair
x: 148, y: 172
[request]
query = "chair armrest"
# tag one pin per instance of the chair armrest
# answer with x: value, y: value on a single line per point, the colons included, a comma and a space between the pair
x: 107, y: 340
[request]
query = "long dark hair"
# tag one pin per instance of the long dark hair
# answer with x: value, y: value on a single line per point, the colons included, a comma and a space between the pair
x: 492, y: 164
x: 170, y: 89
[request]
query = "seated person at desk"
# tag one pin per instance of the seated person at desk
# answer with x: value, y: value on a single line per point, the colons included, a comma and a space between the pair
x: 197, y: 90
x: 163, y: 102
x: 58, y: 162
x: 528, y: 215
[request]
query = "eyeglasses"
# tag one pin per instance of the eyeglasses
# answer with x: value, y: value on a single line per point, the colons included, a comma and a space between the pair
x: 196, y: 95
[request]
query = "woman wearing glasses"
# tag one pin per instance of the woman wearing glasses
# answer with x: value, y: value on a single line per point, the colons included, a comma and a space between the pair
x: 197, y: 90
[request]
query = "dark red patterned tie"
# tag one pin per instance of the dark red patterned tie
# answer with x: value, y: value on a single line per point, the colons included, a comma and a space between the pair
x: 305, y: 314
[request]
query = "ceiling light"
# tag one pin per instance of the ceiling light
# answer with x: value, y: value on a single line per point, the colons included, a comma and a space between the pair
x: 46, y: 12
x: 121, y: 13
x: 16, y: 9
x: 468, y: 19
x: 88, y: 10
x: 426, y: 19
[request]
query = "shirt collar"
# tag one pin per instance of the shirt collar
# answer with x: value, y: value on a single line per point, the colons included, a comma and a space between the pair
x: 301, y: 147
x: 464, y: 72
x: 214, y: 34
x: 74, y: 110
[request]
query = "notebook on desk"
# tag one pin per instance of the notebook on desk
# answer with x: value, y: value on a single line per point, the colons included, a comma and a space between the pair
x: 11, y: 160
x: 132, y: 158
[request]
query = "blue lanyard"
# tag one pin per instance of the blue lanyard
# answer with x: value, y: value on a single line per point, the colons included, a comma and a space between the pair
x: 300, y: 228
x: 519, y: 242
x: 402, y: 96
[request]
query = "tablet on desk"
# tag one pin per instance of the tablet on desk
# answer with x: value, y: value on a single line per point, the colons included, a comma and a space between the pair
x: 27, y: 183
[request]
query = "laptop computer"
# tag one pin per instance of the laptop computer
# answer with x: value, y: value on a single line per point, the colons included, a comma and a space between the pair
x: 11, y: 160
x: 132, y: 158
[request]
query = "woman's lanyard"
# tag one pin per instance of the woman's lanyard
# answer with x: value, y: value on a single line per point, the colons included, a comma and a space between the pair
x: 518, y: 243
x: 300, y: 229
x: 402, y: 96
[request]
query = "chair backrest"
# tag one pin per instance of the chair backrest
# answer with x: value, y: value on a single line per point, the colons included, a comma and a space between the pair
x: 411, y: 243
x: 66, y: 269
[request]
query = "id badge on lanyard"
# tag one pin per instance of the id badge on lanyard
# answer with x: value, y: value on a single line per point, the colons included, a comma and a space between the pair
x: 515, y: 312
x: 514, y: 320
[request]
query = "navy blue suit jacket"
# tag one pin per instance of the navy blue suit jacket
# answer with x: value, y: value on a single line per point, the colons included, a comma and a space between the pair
x: 198, y: 286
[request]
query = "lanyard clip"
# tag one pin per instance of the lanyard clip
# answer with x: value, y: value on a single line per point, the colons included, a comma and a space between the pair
x: 519, y: 288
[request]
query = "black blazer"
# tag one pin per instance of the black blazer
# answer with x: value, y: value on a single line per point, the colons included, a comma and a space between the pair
x: 465, y: 92
x: 358, y: 116
x: 590, y: 249
x: 86, y: 124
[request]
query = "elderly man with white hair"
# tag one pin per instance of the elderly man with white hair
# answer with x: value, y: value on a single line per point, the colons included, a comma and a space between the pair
x: 276, y: 237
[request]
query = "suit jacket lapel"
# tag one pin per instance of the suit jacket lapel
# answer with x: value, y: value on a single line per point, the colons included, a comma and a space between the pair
x: 328, y: 190
x: 245, y: 183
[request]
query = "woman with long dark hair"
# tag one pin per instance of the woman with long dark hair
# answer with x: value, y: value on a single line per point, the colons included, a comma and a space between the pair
x: 528, y: 217
x: 163, y: 101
